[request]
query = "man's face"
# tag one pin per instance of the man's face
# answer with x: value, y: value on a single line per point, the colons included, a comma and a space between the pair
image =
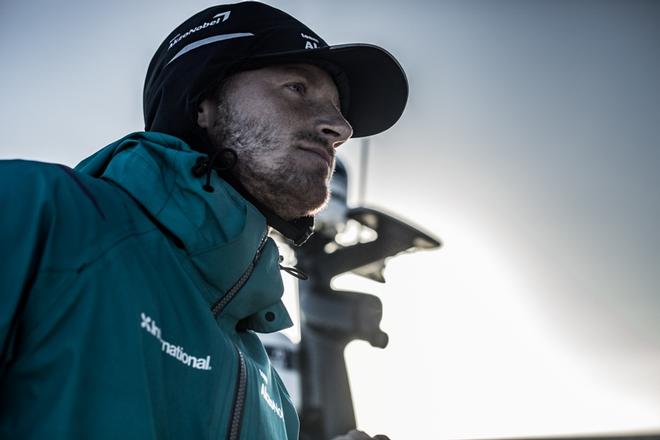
x: 284, y: 123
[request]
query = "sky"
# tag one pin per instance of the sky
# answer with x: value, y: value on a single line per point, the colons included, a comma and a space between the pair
x: 530, y: 146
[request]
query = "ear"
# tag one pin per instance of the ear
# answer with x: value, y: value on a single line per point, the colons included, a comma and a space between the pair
x: 206, y: 113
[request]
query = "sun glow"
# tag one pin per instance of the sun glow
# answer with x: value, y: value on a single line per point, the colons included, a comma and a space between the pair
x: 471, y: 357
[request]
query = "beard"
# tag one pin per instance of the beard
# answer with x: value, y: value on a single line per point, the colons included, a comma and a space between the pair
x: 268, y: 164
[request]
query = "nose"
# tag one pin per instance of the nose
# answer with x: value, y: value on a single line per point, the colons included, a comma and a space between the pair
x: 334, y: 128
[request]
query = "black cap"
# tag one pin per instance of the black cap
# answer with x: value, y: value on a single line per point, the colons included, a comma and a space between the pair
x: 225, y: 39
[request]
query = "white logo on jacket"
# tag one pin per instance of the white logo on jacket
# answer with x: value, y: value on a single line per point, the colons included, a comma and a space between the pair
x: 269, y: 400
x: 177, y: 352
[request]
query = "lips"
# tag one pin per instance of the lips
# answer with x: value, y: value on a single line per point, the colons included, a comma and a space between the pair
x: 319, y: 151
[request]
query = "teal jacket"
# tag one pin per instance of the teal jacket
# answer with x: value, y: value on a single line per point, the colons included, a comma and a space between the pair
x: 130, y: 298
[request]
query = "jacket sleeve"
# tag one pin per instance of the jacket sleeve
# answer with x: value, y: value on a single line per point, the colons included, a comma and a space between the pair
x: 24, y: 224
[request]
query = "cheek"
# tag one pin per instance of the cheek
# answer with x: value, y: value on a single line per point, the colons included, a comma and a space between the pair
x: 269, y: 114
x: 277, y: 108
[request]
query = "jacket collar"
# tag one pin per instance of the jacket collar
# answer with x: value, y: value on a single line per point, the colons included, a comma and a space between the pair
x: 220, y: 230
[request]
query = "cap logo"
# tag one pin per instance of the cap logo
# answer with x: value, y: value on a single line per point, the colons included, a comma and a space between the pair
x: 218, y: 18
x: 311, y: 43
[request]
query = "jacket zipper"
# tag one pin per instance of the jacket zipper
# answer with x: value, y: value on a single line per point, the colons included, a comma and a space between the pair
x: 239, y: 400
x: 241, y: 385
x: 231, y: 293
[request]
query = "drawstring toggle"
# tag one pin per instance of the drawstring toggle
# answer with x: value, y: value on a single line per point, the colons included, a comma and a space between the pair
x: 294, y: 271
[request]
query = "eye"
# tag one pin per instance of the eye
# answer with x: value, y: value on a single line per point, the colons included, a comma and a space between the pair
x: 297, y: 87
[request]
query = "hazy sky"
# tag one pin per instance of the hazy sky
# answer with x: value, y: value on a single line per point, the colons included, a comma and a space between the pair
x: 530, y: 146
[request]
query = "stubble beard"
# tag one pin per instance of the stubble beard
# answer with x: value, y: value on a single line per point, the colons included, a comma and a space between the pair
x: 268, y: 175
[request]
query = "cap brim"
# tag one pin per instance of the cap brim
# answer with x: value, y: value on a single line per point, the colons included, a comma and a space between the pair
x: 377, y: 84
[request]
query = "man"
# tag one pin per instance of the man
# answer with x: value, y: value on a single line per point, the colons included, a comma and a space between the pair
x: 132, y: 286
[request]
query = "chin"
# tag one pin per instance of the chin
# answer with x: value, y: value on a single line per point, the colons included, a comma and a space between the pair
x: 289, y: 193
x: 305, y: 203
x: 317, y: 209
x: 318, y: 204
